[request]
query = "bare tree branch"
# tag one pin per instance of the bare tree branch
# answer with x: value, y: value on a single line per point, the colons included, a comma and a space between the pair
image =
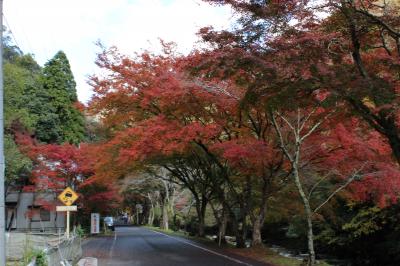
x: 316, y: 185
x: 315, y: 126
x: 281, y: 141
x: 348, y: 181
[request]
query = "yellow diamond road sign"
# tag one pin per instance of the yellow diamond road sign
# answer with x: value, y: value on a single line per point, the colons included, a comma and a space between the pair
x: 68, y: 196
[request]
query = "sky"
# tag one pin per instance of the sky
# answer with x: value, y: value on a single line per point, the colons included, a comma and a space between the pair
x: 43, y: 27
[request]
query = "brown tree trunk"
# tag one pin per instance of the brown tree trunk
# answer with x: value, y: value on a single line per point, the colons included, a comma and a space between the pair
x: 256, y: 235
x: 258, y: 221
x: 201, y: 213
x: 222, y: 227
x: 241, y: 236
x: 241, y: 231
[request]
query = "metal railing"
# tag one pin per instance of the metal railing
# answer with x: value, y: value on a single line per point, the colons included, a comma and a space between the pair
x: 59, y: 250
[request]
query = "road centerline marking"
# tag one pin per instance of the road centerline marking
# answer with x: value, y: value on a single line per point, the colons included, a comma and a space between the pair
x: 203, y: 248
x: 112, y: 247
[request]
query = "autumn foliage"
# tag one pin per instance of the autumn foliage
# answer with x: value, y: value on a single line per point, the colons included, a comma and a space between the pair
x: 305, y: 89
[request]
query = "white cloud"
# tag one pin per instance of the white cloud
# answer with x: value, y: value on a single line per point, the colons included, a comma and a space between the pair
x: 43, y: 27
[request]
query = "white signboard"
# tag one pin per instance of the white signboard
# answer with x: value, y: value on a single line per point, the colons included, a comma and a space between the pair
x: 95, y: 223
x: 72, y: 208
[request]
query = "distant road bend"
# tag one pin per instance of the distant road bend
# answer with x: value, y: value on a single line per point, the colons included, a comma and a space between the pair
x: 136, y: 246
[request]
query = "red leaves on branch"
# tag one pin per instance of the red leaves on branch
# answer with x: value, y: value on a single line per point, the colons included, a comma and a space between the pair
x: 59, y: 166
x: 351, y: 147
x: 162, y: 105
x: 249, y: 155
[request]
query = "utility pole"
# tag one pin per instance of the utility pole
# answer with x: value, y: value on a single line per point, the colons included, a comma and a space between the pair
x: 2, y: 166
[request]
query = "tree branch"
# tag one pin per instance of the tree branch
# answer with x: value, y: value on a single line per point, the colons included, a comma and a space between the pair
x: 281, y: 142
x: 348, y: 181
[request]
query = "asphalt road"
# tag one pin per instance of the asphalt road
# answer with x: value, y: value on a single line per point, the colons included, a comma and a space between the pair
x: 136, y: 246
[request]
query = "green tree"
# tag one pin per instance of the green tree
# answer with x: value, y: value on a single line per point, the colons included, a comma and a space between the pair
x: 21, y: 78
x: 59, y: 121
x: 18, y: 165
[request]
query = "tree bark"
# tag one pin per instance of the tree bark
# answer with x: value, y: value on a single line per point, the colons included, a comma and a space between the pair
x: 222, y: 226
x: 258, y: 221
x: 241, y: 230
x: 150, y: 219
x: 165, y: 201
x: 164, y: 224
x: 392, y: 134
x: 241, y: 235
x: 256, y: 235
x: 308, y: 211
x: 201, y: 206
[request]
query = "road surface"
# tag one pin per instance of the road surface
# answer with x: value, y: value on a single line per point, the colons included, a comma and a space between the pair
x: 136, y: 246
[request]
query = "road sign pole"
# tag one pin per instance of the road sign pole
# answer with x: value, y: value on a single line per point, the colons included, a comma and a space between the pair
x: 68, y: 196
x: 67, y: 224
x: 67, y: 209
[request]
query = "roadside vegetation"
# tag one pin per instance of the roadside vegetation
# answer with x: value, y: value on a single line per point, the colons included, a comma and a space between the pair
x: 259, y: 253
x: 281, y: 130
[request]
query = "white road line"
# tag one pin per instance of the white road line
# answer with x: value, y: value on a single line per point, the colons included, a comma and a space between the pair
x: 203, y: 248
x: 112, y: 247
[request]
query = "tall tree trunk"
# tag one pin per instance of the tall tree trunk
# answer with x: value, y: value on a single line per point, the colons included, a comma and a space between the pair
x: 392, y: 134
x: 151, y: 217
x: 201, y: 207
x: 258, y: 220
x: 310, y: 238
x: 222, y: 220
x: 245, y: 205
x: 307, y: 208
x: 241, y: 230
x: 150, y: 220
x: 164, y: 210
x: 256, y: 235
x: 222, y: 226
x: 201, y: 231
x: 241, y: 235
x: 165, y: 205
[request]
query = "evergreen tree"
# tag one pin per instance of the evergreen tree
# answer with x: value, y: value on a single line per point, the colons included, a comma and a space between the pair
x: 59, y: 121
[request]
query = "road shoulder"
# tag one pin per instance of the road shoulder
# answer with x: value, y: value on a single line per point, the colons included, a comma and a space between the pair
x: 211, y: 247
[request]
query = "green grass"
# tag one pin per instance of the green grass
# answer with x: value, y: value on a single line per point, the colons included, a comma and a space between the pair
x: 258, y: 253
x: 173, y: 233
x: 28, y: 256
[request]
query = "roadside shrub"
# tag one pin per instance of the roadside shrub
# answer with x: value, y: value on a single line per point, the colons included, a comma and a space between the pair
x: 80, y: 231
x: 41, y: 259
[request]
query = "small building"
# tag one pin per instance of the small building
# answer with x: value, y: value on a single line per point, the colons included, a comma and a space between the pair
x: 33, y: 211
